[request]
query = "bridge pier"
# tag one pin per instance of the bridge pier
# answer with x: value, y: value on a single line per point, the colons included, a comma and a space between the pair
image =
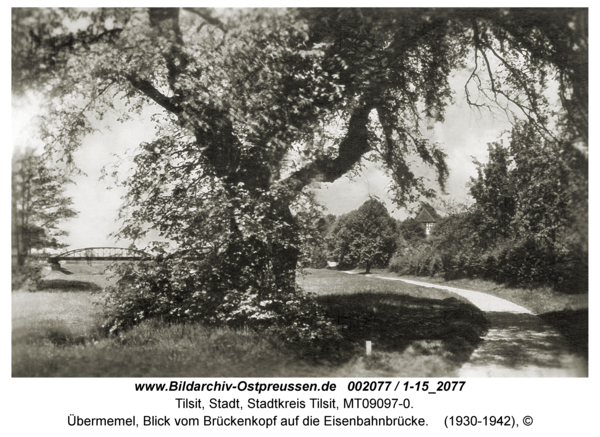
x: 54, y: 264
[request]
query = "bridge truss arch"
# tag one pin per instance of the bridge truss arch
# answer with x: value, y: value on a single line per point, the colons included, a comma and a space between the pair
x: 100, y: 254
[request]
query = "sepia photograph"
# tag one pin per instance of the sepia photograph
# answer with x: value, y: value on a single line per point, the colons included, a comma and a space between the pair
x: 299, y: 192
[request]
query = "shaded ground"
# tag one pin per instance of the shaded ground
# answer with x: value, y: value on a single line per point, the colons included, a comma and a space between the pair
x: 520, y: 344
x: 573, y: 325
x: 414, y: 331
x: 393, y: 322
x: 539, y: 300
x: 483, y: 301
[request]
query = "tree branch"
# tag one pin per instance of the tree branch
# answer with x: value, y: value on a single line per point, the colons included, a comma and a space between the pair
x: 351, y: 150
x: 206, y: 16
x: 146, y: 87
x: 166, y: 21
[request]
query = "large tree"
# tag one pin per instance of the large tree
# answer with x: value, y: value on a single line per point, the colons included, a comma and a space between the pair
x: 252, y: 106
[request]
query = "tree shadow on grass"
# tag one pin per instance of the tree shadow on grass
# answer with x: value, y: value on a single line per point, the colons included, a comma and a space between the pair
x: 393, y: 322
x: 62, y: 270
x: 524, y: 345
x: 67, y: 285
x: 573, y: 325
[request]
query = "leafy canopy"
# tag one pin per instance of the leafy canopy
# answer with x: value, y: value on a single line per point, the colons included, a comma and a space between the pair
x: 244, y: 92
x: 532, y: 189
x: 366, y: 236
x: 254, y: 105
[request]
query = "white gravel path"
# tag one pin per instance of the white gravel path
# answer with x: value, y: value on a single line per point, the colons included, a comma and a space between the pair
x: 483, y: 301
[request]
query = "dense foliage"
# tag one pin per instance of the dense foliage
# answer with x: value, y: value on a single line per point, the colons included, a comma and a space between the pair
x: 254, y: 105
x: 316, y: 251
x: 411, y: 232
x: 528, y: 224
x: 365, y: 237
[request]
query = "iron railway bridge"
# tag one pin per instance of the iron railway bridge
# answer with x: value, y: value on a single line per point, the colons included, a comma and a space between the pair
x: 99, y: 254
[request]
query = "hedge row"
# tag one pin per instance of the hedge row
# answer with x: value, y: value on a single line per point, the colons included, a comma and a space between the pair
x: 516, y: 263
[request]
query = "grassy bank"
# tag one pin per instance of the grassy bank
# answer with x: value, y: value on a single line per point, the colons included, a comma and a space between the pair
x: 414, y: 332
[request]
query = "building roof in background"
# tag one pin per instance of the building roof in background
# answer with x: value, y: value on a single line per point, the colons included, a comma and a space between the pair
x: 427, y: 214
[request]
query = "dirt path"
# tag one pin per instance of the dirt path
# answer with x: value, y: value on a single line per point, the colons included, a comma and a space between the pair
x: 518, y: 343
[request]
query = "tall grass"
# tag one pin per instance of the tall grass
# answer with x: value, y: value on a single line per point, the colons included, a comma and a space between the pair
x: 151, y: 349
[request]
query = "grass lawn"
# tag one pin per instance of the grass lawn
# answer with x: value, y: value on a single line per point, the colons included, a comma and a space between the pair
x: 414, y: 332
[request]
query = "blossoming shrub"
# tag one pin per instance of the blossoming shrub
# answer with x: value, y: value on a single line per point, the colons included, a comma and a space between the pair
x: 180, y: 291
